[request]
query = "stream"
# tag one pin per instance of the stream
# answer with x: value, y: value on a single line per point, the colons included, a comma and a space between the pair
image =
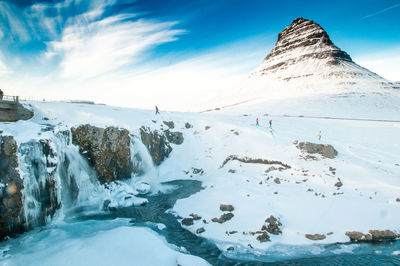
x: 156, y: 212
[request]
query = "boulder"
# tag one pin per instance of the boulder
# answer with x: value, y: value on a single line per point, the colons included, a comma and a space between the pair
x: 226, y: 207
x: 223, y: 218
x: 382, y: 235
x: 187, y: 221
x: 156, y: 143
x: 358, y: 236
x: 315, y: 237
x: 106, y: 150
x: 325, y: 150
x: 188, y: 125
x: 200, y: 230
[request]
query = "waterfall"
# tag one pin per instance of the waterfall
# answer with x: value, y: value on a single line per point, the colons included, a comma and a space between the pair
x: 58, y: 179
x: 148, y: 174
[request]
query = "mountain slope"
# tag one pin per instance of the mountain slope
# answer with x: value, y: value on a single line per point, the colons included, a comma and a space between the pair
x: 304, y: 61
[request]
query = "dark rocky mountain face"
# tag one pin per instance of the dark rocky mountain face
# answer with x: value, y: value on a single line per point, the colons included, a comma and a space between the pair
x: 303, y: 33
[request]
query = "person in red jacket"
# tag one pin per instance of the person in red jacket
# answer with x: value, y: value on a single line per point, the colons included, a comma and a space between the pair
x: 257, y: 121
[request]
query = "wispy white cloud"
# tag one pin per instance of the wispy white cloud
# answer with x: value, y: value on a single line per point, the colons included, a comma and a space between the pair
x: 90, y: 46
x: 381, y: 11
x: 13, y: 20
x: 187, y: 85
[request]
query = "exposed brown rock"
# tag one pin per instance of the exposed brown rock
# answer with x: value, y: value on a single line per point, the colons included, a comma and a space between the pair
x: 325, y: 150
x: 263, y: 237
x: 252, y: 160
x: 274, y: 225
x: 107, y: 150
x: 195, y: 216
x: 226, y: 207
x: 315, y: 236
x: 223, y: 218
x: 187, y: 221
x: 200, y: 230
x: 381, y: 235
x: 358, y: 236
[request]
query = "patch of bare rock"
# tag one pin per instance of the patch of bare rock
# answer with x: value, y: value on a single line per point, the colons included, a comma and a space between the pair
x: 372, y: 236
x: 326, y: 150
x: 315, y: 237
x: 245, y: 159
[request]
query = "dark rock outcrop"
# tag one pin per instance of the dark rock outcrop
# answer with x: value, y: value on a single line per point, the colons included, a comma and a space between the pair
x: 107, y: 150
x: 226, y: 207
x: 156, y: 143
x: 245, y: 159
x: 325, y: 150
x: 174, y: 137
x: 187, y: 221
x: 223, y: 218
x: 200, y: 230
x: 11, y: 184
x: 274, y: 225
x: 372, y: 236
x: 263, y: 237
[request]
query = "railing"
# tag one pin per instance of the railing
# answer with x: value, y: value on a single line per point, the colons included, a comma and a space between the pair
x: 9, y: 98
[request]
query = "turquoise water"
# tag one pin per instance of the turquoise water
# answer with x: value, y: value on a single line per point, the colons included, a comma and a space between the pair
x: 84, y: 221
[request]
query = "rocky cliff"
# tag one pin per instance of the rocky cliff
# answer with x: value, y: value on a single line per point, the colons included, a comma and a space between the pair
x: 11, y: 184
x: 107, y: 150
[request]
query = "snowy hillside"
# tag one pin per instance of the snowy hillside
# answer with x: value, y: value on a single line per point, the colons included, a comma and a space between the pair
x: 259, y: 171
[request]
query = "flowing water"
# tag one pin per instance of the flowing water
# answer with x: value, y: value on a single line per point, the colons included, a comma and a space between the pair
x: 156, y: 212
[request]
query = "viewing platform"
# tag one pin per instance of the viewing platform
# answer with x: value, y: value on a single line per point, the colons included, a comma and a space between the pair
x: 11, y: 110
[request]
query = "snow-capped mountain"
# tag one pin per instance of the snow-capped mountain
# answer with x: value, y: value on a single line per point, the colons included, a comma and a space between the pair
x: 306, y: 68
x: 305, y: 56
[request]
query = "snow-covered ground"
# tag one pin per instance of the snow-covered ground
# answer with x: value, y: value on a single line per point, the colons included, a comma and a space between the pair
x: 94, y: 243
x: 305, y: 199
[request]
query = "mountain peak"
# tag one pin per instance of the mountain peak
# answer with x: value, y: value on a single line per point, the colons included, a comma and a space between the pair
x: 305, y: 57
x: 310, y: 40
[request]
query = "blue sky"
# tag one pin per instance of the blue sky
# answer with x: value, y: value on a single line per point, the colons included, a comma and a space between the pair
x: 48, y: 47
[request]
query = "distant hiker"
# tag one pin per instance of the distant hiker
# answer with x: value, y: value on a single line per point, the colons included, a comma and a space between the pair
x: 270, y: 123
x: 319, y: 135
x: 1, y: 95
x: 257, y: 122
x: 157, y: 112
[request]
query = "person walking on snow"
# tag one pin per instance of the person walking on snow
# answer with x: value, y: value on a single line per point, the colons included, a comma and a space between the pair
x: 257, y: 122
x: 319, y: 135
x: 157, y: 112
x: 1, y: 95
x: 270, y: 123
